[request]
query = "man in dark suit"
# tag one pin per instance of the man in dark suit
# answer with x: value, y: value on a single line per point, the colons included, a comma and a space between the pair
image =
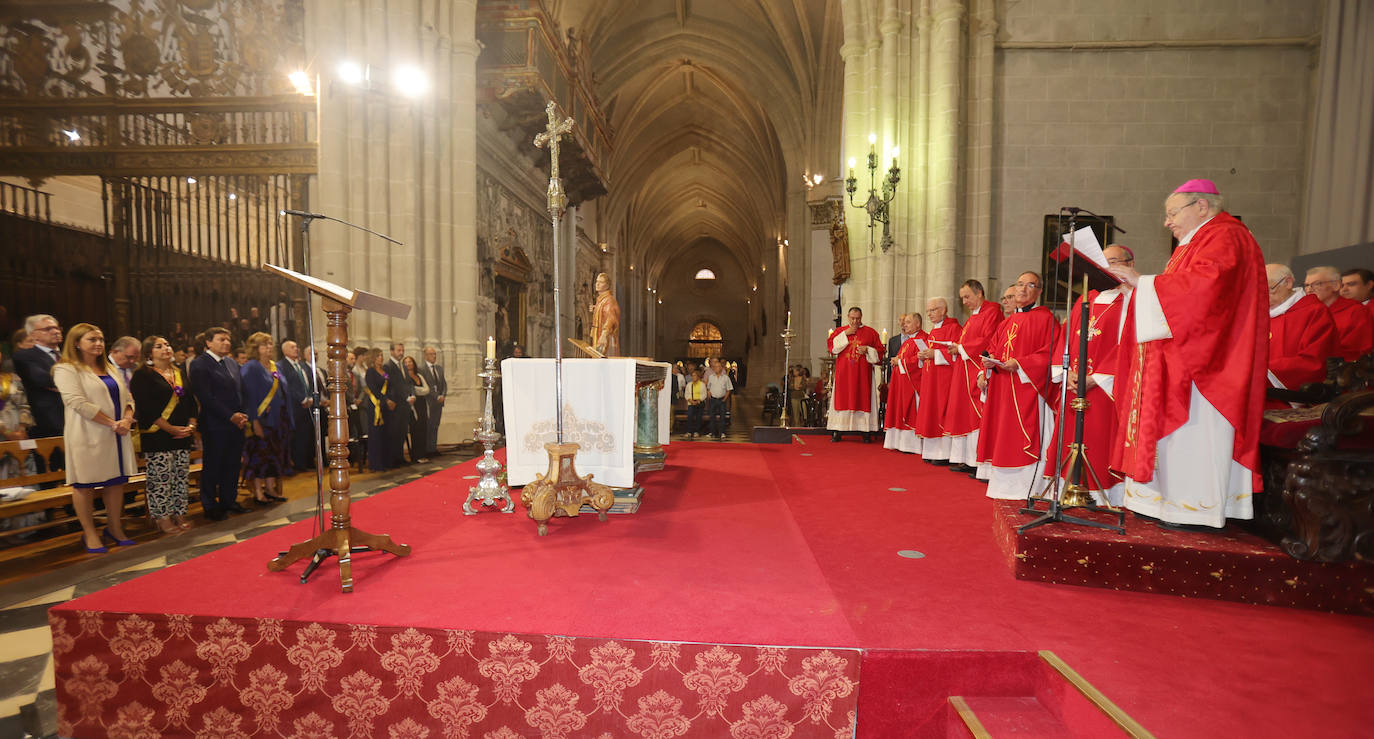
x: 301, y: 400
x: 433, y: 373
x: 398, y: 418
x: 34, y: 367
x: 215, y: 381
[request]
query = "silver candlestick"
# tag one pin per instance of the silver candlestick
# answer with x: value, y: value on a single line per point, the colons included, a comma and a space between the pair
x: 489, y: 489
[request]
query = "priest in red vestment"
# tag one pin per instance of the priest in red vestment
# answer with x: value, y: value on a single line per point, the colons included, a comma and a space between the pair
x: 902, y: 386
x: 1016, y: 419
x: 1354, y: 329
x: 1106, y: 311
x: 1193, y: 353
x: 858, y: 352
x: 935, y: 381
x: 964, y: 409
x: 1301, y: 334
x: 1357, y: 283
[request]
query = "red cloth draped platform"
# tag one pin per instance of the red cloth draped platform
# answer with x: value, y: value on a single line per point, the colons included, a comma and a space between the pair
x: 758, y: 592
x: 1228, y: 565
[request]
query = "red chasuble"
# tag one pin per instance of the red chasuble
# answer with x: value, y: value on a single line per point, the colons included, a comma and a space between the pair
x: 935, y: 379
x: 1099, y: 420
x: 853, y: 372
x: 1354, y: 333
x: 964, y: 408
x: 1010, y: 435
x: 901, y: 388
x: 1214, y: 294
x: 1300, y: 340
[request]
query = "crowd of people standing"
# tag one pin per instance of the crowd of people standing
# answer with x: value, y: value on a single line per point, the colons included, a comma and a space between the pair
x: 250, y: 399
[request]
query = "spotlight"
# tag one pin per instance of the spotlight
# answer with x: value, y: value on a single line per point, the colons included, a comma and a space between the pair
x: 301, y: 81
x: 817, y: 178
x: 351, y: 73
x: 232, y: 196
x: 190, y: 180
x: 72, y: 134
x: 873, y: 138
x: 410, y: 81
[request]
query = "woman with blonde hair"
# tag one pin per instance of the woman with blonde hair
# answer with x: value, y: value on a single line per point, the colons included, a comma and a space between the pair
x: 99, y: 416
x: 266, y: 452
x: 375, y: 383
x: 165, y: 410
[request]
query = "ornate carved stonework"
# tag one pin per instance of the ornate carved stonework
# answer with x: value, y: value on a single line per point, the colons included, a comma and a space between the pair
x: 507, y: 226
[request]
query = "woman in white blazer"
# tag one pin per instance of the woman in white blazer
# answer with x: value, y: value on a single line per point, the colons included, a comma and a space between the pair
x: 99, y: 450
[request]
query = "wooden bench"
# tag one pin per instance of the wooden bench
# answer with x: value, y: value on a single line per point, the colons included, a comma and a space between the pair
x: 59, y: 497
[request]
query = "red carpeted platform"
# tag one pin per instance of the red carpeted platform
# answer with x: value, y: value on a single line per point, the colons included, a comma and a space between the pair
x: 1228, y: 565
x: 863, y: 582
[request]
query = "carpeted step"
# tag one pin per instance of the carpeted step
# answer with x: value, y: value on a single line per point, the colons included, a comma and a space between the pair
x: 1003, y: 716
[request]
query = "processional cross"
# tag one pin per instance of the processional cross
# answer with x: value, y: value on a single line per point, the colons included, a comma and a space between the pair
x: 561, y: 491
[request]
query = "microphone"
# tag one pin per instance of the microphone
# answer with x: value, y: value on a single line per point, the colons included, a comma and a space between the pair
x: 302, y: 214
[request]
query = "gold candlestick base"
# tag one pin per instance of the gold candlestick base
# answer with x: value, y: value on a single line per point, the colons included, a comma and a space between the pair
x: 561, y: 491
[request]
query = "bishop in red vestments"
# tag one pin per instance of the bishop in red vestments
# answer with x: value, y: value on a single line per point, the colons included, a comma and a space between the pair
x: 1194, y: 350
x: 1301, y: 334
x: 1016, y: 419
x: 1106, y: 312
x: 858, y: 352
x: 1354, y: 329
x: 903, y: 383
x: 935, y: 381
x: 964, y: 409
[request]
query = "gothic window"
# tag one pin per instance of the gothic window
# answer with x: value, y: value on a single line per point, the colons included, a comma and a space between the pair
x: 705, y: 274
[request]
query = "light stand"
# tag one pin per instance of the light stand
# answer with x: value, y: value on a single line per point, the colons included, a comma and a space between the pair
x: 306, y: 219
x: 1075, y: 471
x: 787, y: 335
x: 876, y: 206
x: 489, y: 489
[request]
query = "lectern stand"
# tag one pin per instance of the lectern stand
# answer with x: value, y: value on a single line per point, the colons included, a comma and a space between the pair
x: 340, y: 539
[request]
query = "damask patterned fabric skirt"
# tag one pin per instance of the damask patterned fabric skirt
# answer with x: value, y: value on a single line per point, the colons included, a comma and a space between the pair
x: 166, y: 484
x: 269, y: 455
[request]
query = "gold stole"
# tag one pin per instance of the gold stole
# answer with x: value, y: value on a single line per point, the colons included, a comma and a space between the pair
x: 6, y: 383
x: 376, y: 406
x: 267, y: 401
x: 171, y: 404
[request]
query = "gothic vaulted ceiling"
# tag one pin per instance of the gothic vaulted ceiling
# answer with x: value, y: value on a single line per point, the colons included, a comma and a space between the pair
x: 718, y: 107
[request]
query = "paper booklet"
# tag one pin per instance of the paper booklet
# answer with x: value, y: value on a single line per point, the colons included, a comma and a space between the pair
x: 1085, y: 243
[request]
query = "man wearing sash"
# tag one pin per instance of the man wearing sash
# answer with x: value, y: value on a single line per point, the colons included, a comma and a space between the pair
x: 1193, y: 352
x: 1016, y: 418
x: 902, y: 398
x: 964, y: 409
x: 858, y: 351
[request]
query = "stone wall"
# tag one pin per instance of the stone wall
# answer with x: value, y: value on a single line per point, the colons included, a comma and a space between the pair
x: 1114, y: 130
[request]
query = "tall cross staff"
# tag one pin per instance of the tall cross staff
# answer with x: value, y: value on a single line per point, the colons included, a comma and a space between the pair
x: 557, y: 201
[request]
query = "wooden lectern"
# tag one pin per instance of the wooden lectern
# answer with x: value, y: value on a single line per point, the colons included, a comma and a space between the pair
x: 340, y: 539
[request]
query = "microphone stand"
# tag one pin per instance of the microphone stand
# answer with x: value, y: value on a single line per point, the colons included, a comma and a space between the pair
x: 306, y: 219
x: 1075, y: 470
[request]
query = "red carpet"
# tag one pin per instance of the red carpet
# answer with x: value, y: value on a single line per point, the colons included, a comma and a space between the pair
x: 734, y: 544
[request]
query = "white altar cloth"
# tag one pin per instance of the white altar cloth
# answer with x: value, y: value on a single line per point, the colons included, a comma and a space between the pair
x: 598, y: 414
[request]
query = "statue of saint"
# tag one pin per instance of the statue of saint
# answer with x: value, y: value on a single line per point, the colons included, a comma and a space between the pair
x: 839, y: 250
x: 605, y: 319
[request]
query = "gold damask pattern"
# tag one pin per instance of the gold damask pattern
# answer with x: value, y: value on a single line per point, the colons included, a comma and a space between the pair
x: 137, y: 675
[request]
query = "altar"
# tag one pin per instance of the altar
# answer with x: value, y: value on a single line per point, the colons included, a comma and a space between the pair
x: 610, y: 407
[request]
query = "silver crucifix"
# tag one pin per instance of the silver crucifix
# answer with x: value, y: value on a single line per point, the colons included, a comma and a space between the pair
x: 550, y: 136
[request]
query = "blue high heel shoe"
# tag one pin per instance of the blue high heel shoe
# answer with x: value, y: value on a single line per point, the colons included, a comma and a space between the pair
x: 105, y: 534
x: 96, y: 550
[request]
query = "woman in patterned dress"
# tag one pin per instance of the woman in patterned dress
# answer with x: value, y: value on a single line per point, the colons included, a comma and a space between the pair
x: 266, y: 451
x: 165, y: 411
x: 99, y: 417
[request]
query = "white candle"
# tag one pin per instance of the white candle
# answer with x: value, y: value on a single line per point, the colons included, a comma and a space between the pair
x: 491, y: 347
x: 789, y: 319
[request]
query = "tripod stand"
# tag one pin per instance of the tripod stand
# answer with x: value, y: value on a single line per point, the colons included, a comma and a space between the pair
x: 1067, y: 487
